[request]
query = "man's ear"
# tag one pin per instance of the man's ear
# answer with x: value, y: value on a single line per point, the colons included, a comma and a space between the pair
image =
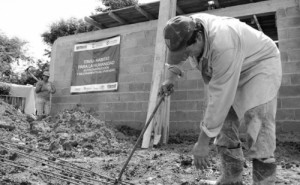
x: 199, y: 36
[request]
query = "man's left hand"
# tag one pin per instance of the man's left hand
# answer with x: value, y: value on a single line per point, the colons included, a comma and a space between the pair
x: 200, y: 152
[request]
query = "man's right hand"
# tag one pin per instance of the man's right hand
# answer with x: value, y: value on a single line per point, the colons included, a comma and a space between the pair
x: 167, y: 88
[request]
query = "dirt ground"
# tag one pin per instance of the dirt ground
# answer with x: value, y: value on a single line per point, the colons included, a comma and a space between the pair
x: 74, y: 147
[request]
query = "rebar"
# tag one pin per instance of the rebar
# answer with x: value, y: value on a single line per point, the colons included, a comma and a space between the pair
x: 64, y: 161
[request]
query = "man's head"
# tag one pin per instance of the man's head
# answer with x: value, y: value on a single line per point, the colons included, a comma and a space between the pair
x: 184, y: 38
x: 46, y: 75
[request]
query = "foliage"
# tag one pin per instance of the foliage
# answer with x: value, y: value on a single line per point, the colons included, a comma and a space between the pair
x: 62, y: 28
x: 12, y: 50
x: 4, y: 89
x: 115, y: 4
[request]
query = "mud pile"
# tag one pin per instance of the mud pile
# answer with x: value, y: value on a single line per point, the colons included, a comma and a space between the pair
x: 76, y: 133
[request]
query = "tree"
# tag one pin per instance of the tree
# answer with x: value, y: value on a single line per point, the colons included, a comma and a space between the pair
x: 64, y: 28
x: 12, y: 50
x: 115, y: 4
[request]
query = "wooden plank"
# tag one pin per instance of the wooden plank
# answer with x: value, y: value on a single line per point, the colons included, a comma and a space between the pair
x: 257, y: 23
x: 144, y: 13
x: 94, y: 23
x: 167, y: 10
x: 253, y: 8
x: 117, y: 18
x: 179, y: 10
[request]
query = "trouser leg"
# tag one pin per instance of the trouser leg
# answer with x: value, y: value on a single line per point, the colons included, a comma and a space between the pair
x: 229, y: 148
x: 261, y: 142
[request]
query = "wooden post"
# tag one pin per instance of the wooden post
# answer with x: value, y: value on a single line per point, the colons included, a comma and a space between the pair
x: 167, y: 10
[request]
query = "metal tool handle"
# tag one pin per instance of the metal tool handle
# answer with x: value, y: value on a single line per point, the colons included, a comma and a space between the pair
x: 139, y: 139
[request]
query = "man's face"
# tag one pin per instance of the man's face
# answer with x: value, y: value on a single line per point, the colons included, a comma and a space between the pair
x: 196, y: 49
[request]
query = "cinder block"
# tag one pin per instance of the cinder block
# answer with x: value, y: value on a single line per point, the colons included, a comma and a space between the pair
x: 279, y: 106
x: 109, y: 116
x: 297, y: 114
x: 293, y: 12
x: 178, y: 116
x: 185, y: 126
x: 66, y: 99
x: 194, y: 116
x: 137, y: 60
x: 112, y: 97
x: 123, y: 87
x: 282, y: 34
x: 286, y: 80
x: 92, y: 98
x: 288, y: 126
x: 294, y: 55
x: 124, y: 97
x: 288, y: 91
x: 136, y: 87
x: 291, y: 67
x: 134, y: 106
x: 143, y: 77
x: 126, y: 78
x: 284, y: 56
x: 288, y: 22
x: 280, y: 13
x: 287, y: 44
x: 104, y: 107
x: 119, y: 106
x: 138, y: 51
x: 295, y: 79
x: 147, y: 68
x: 126, y: 116
x: 293, y: 32
x: 144, y: 106
x: 285, y: 114
x: 195, y: 95
x: 142, y: 96
x: 290, y: 102
x: 131, y: 69
x: 140, y: 116
x: 187, y: 105
x: 65, y: 91
x: 179, y: 95
x: 188, y: 84
x: 173, y: 106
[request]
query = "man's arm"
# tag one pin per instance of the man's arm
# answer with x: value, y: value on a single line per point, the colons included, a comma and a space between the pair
x: 38, y: 87
x: 222, y: 90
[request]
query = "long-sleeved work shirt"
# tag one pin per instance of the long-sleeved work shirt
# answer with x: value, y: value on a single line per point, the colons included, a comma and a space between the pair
x: 240, y: 65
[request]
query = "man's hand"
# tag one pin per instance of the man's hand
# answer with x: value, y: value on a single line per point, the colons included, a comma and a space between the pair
x: 200, y: 152
x: 166, y: 88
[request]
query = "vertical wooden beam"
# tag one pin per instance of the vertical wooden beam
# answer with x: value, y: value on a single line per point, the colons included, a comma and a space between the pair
x: 167, y: 10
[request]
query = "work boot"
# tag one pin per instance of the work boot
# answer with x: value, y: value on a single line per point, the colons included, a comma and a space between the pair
x: 231, y: 169
x: 264, y: 173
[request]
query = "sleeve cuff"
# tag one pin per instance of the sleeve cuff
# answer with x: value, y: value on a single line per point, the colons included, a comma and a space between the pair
x: 210, y: 132
x: 175, y: 69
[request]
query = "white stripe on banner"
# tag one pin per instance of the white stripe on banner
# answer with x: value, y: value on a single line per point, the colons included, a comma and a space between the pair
x: 97, y: 45
x: 94, y: 87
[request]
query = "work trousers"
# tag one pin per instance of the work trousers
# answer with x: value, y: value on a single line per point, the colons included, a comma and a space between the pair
x: 260, y: 133
x: 42, y: 106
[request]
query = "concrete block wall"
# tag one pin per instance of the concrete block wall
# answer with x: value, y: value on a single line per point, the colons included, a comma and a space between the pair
x: 188, y: 101
x: 128, y: 105
x: 288, y: 25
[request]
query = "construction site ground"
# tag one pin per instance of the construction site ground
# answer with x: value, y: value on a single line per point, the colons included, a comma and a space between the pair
x: 74, y: 147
